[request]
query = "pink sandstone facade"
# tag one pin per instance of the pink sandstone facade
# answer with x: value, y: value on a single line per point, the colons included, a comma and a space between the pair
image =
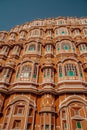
x: 43, y: 75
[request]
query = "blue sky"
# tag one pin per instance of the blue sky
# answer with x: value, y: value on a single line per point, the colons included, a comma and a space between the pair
x: 16, y: 12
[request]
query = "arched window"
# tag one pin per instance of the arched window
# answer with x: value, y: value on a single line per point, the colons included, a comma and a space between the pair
x: 16, y: 50
x: 60, y: 71
x: 6, y: 74
x: 70, y: 69
x: 48, y: 75
x: 48, y: 33
x: 82, y: 48
x: 84, y: 21
x: 36, y: 32
x: 26, y: 71
x: 85, y: 31
x: 2, y: 36
x: 5, y: 50
x: 60, y: 21
x: 12, y: 36
x: 32, y: 47
x: 22, y: 35
x: 49, y: 48
x: 62, y: 31
x: 76, y: 32
x: 65, y: 46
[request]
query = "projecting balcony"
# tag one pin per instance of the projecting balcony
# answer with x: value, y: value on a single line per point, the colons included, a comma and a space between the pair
x: 4, y: 80
x: 3, y: 55
x: 66, y: 53
x: 77, y: 117
x: 14, y: 55
x: 48, y: 81
x: 32, y: 54
x: 77, y: 36
x: 83, y: 53
x: 49, y: 54
x: 47, y: 109
x: 24, y: 85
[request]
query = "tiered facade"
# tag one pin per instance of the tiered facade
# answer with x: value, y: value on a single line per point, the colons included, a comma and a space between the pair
x: 43, y: 75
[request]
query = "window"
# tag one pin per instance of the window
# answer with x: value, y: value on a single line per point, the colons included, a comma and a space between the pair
x: 46, y: 127
x: 70, y: 70
x: 76, y: 112
x: 58, y: 47
x: 79, y: 124
x: 82, y: 47
x: 85, y: 31
x: 18, y: 73
x: 56, y: 32
x: 19, y: 110
x: 2, y: 36
x: 31, y: 47
x: 52, y: 128
x: 49, y: 33
x: 5, y: 49
x: 65, y: 125
x: 35, y: 32
x: 76, y: 32
x: 63, y: 114
x: 60, y: 22
x: 6, y: 73
x: 65, y: 46
x: 60, y: 71
x: 63, y: 31
x: 16, y: 50
x: 48, y: 72
x: 38, y: 46
x: 35, y: 72
x: 12, y: 36
x: 30, y: 112
x: 26, y: 47
x: 49, y: 48
x: 17, y: 124
x: 28, y: 126
x: 22, y: 34
x: 44, y: 73
x: 73, y: 47
x: 26, y: 71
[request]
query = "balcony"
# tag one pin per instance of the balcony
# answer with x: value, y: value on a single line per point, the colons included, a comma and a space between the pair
x: 78, y: 117
x: 49, y: 53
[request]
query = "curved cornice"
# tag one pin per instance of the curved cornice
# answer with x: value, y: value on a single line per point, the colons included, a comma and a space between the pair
x: 71, y: 99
